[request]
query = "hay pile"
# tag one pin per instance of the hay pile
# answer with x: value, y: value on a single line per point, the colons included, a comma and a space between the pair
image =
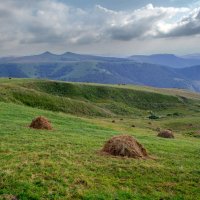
x: 41, y: 123
x: 124, y: 146
x: 8, y: 197
x: 166, y: 134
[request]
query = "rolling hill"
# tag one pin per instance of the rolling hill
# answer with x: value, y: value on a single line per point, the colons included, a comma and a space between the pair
x: 96, y: 69
x: 92, y: 100
x: 67, y: 163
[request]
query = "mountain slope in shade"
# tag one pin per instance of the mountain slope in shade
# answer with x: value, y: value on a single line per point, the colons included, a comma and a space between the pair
x: 103, y: 72
x: 167, y: 60
x: 96, y: 69
x: 192, y: 73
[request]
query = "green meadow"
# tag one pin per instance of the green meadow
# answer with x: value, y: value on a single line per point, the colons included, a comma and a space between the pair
x: 66, y: 163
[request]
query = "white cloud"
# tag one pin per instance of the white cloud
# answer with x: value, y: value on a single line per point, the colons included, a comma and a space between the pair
x: 187, y: 26
x: 51, y: 22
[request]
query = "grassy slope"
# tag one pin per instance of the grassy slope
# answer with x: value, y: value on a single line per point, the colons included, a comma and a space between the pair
x: 91, y: 100
x: 65, y: 163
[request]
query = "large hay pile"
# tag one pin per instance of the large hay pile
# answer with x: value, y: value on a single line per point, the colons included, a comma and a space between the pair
x: 125, y: 146
x: 166, y: 134
x: 41, y: 123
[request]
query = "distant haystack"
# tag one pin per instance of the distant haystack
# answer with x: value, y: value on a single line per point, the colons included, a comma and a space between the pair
x: 125, y: 146
x: 166, y: 134
x: 41, y: 123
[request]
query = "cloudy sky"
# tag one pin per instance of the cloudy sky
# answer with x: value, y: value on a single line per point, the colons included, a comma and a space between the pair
x: 103, y: 27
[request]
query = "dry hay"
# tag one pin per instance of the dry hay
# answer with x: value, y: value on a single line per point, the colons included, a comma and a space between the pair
x: 8, y: 197
x: 124, y: 146
x: 41, y: 123
x: 166, y: 134
x: 158, y: 129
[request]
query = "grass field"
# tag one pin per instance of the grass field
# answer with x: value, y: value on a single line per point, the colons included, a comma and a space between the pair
x: 65, y: 163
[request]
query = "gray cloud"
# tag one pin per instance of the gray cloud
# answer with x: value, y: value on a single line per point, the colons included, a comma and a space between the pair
x: 187, y: 26
x: 136, y: 29
x: 52, y: 22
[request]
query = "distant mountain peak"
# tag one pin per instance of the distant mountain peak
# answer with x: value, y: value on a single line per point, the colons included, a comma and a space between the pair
x: 47, y: 53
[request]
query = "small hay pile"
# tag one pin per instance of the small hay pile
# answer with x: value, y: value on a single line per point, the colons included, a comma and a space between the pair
x: 124, y: 146
x: 41, y: 123
x: 166, y: 134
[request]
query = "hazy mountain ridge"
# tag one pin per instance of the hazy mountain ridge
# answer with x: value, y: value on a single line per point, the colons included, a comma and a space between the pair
x: 88, y: 68
x: 192, y: 56
x: 169, y: 60
x: 50, y: 57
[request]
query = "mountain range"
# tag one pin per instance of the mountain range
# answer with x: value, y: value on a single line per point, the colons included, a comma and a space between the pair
x: 169, y: 60
x: 160, y: 70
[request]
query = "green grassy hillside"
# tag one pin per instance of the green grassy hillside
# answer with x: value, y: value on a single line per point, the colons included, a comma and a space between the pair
x: 65, y: 163
x: 92, y: 100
